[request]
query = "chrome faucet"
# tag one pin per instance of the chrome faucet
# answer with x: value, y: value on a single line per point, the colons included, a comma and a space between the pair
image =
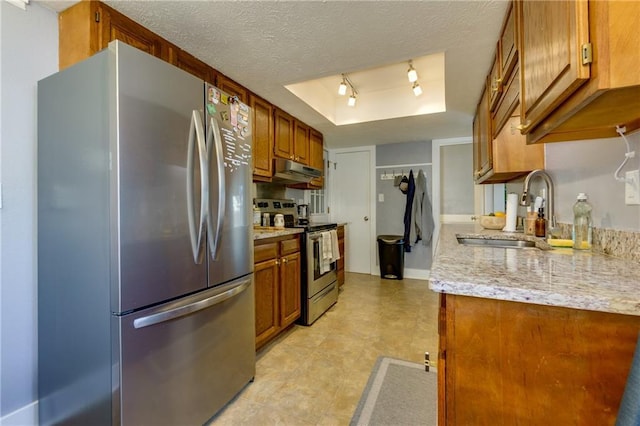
x: 524, y: 201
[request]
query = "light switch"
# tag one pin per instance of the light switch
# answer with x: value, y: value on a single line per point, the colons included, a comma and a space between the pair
x: 381, y: 198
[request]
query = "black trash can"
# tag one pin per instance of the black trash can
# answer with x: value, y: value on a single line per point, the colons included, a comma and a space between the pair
x: 391, y: 253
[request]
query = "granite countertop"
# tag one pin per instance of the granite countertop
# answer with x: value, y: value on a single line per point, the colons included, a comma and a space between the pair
x: 552, y: 276
x: 262, y: 232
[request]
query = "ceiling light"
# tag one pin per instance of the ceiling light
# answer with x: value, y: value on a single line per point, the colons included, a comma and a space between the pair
x: 352, y: 100
x: 342, y: 89
x: 417, y: 90
x: 412, y: 74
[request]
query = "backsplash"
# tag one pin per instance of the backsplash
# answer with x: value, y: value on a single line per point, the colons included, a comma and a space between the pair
x: 613, y: 242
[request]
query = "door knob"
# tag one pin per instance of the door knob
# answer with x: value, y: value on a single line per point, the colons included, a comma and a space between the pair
x: 366, y: 218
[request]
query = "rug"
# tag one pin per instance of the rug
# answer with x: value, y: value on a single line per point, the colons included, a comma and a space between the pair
x: 398, y: 393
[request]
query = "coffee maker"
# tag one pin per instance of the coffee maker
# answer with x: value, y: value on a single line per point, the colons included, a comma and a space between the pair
x: 303, y: 214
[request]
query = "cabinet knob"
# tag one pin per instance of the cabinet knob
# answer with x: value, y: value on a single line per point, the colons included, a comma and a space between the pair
x: 284, y: 260
x: 278, y: 262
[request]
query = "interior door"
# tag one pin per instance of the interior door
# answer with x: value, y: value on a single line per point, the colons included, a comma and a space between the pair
x: 352, y: 204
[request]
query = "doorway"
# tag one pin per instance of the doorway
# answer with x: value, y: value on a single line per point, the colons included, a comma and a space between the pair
x: 456, y: 199
x: 352, y: 181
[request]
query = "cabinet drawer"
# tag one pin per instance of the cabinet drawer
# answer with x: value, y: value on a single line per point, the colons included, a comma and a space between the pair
x: 264, y: 252
x: 289, y: 246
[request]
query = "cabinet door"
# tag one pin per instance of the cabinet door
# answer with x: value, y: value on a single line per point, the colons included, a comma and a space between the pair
x: 495, y: 81
x: 290, y: 303
x: 115, y: 26
x: 508, y: 48
x: 283, y: 143
x: 194, y: 66
x: 232, y: 88
x: 301, y: 142
x: 316, y: 156
x: 262, y: 138
x: 551, y: 35
x: 266, y: 300
x: 481, y: 137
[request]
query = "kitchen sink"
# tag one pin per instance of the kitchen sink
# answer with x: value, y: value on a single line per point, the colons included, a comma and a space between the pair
x: 484, y: 242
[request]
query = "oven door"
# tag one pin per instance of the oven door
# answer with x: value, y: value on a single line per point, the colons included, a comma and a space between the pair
x: 317, y: 277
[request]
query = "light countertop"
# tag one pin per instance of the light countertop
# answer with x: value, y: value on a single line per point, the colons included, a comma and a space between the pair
x: 262, y: 232
x: 557, y: 277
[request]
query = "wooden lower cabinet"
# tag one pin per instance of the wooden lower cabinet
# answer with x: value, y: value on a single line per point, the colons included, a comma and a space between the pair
x: 277, y: 285
x: 340, y: 263
x: 509, y: 363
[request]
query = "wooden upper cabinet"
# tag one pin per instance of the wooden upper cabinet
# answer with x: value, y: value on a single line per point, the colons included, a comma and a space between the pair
x: 194, y: 66
x: 611, y: 96
x: 116, y: 26
x: 284, y: 130
x: 551, y: 36
x: 89, y: 26
x: 316, y: 156
x: 229, y: 86
x: 301, y: 142
x: 316, y: 150
x: 262, y: 138
x: 482, y: 137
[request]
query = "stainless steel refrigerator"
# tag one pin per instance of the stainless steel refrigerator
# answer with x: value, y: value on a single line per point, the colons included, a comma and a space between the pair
x: 145, y: 251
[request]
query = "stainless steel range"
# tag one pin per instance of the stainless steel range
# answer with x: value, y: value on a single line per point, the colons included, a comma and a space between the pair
x: 319, y: 278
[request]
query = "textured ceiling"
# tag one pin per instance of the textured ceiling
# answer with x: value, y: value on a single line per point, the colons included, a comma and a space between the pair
x: 265, y: 45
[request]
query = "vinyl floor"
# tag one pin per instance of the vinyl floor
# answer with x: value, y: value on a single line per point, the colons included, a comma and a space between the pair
x: 315, y: 375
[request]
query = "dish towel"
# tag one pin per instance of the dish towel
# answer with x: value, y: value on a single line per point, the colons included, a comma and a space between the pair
x: 335, y: 248
x: 326, y: 250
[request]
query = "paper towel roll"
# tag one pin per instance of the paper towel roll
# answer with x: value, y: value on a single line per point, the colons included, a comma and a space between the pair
x: 512, y: 212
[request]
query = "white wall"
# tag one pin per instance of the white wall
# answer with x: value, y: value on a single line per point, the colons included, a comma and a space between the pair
x: 29, y: 52
x: 588, y: 166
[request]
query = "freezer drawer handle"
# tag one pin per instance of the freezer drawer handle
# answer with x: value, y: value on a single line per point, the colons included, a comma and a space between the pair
x: 214, y: 142
x: 197, y: 227
x: 182, y: 311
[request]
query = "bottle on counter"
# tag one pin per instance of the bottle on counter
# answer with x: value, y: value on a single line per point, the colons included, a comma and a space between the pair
x: 582, y: 223
x: 541, y: 224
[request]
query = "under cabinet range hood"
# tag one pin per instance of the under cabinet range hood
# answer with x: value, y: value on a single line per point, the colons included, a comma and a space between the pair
x: 290, y: 171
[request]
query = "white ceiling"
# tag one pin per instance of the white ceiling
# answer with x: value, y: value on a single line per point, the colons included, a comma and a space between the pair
x: 266, y: 45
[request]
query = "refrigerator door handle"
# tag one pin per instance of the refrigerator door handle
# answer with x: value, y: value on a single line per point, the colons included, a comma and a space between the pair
x: 214, y: 142
x: 171, y: 314
x: 197, y: 226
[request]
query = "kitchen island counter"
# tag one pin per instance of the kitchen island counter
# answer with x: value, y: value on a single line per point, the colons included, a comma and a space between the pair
x: 542, y: 335
x: 557, y: 277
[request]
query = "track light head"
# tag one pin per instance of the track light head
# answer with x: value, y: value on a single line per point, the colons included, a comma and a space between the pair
x: 352, y: 100
x: 412, y: 74
x: 342, y: 88
x: 417, y: 90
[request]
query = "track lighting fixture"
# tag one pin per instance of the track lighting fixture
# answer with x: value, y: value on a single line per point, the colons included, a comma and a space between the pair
x: 417, y: 90
x: 412, y: 74
x: 342, y: 88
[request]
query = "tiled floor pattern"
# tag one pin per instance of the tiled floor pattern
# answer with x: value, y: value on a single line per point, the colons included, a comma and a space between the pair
x: 315, y: 375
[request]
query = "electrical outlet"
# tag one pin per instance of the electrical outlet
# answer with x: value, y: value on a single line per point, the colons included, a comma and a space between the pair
x: 632, y: 188
x: 381, y: 197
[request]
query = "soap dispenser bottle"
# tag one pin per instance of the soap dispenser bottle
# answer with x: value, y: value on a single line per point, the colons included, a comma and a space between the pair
x: 541, y: 224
